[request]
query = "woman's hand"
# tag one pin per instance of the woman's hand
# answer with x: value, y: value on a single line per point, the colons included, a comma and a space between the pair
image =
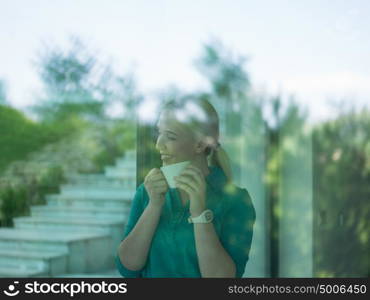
x: 156, y: 185
x: 192, y: 181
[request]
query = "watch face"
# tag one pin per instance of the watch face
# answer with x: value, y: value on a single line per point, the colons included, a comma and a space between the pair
x: 208, y: 215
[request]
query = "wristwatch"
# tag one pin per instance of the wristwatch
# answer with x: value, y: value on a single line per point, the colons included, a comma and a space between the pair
x: 205, y: 217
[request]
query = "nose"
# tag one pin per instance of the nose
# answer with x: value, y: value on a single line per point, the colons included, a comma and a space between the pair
x: 159, y: 143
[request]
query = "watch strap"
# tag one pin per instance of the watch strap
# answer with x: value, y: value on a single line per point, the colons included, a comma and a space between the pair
x: 205, y: 217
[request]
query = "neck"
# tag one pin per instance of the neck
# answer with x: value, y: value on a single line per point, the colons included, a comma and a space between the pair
x: 201, y: 163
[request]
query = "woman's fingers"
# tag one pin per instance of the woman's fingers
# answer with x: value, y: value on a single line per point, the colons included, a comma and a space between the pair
x: 187, y: 180
x: 185, y: 186
x: 159, y: 189
x: 159, y: 184
x: 154, y: 174
x: 156, y: 179
x: 195, y: 172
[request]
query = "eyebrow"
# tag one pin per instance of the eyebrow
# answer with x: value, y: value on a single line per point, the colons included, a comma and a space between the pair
x: 167, y: 130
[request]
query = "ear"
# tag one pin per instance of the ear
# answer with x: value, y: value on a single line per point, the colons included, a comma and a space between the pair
x: 200, y: 147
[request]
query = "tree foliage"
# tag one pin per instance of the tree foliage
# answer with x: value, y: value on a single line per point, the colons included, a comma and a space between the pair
x: 341, y: 193
x: 21, y: 136
x: 68, y: 83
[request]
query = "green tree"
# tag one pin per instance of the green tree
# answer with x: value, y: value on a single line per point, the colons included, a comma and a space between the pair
x: 76, y: 83
x: 228, y: 80
x: 68, y: 81
x: 21, y: 136
x: 122, y: 94
x: 341, y: 195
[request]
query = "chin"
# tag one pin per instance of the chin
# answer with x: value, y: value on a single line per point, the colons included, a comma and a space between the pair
x: 166, y: 163
x: 170, y: 161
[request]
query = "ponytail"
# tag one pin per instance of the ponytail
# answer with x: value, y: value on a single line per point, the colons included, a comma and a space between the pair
x: 218, y: 157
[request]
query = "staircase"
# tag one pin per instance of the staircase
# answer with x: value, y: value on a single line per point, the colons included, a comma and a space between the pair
x: 76, y: 234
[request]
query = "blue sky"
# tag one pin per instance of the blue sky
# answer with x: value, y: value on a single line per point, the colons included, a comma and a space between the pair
x: 315, y: 50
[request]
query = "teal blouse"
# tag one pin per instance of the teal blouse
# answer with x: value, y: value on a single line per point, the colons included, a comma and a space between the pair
x: 173, y: 252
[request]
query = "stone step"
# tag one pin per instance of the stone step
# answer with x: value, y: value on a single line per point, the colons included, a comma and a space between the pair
x: 112, y: 227
x: 94, y: 188
x: 20, y: 271
x: 126, y: 163
x: 130, y: 154
x: 112, y: 273
x: 77, y: 224
x: 88, y: 202
x: 92, y: 177
x: 51, y: 263
x: 106, y: 184
x: 101, y: 180
x: 80, y: 246
x: 124, y: 173
x: 78, y: 231
x: 96, y: 193
x: 68, y: 212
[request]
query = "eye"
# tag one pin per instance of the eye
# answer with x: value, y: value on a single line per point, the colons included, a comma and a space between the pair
x: 158, y: 133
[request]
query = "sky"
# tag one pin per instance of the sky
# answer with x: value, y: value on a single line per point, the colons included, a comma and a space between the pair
x: 314, y: 50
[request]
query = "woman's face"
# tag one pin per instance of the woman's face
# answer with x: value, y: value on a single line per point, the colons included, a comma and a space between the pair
x: 175, y: 142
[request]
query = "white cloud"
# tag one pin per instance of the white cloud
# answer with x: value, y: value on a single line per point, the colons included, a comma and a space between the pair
x: 317, y: 92
x: 338, y: 83
x: 148, y: 111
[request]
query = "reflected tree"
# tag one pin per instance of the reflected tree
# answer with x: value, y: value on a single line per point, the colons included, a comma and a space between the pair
x: 68, y: 83
x: 228, y: 80
x: 342, y: 193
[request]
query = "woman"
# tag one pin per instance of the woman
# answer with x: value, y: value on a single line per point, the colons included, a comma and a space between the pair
x: 160, y: 240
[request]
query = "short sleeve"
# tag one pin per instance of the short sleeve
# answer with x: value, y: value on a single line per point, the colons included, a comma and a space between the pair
x: 136, y: 210
x: 237, y: 229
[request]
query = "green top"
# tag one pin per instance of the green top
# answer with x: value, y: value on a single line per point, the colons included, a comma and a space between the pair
x: 173, y: 252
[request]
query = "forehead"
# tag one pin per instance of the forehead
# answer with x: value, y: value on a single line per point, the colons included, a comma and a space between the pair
x: 167, y: 122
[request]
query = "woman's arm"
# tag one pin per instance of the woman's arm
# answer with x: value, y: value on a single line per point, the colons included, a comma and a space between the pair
x: 133, y: 250
x: 226, y: 255
x: 213, y: 259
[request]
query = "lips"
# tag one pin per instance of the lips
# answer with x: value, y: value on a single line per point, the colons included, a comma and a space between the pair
x: 165, y: 156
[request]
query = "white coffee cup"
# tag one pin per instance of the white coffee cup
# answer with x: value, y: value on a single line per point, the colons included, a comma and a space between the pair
x: 170, y: 171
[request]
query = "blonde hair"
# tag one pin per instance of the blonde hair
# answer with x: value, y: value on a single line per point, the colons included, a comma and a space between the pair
x: 199, y: 115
